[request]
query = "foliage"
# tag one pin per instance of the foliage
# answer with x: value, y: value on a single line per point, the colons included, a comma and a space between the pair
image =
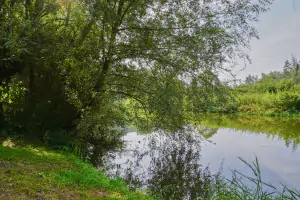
x: 273, y: 94
x: 67, y: 66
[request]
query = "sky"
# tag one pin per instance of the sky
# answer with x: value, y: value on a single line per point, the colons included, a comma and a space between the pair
x: 279, y: 32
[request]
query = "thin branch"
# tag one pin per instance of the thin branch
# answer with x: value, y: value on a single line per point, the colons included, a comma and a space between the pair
x: 127, y: 86
x: 156, y: 29
x: 138, y: 100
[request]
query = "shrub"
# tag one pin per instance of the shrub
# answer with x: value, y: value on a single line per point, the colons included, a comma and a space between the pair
x: 285, y: 84
x: 290, y: 101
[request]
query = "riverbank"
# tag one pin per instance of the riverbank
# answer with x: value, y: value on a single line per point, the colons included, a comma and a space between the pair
x: 280, y: 104
x: 35, y: 172
x: 249, y: 113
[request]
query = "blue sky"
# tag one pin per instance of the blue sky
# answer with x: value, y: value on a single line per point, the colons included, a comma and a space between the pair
x: 279, y: 32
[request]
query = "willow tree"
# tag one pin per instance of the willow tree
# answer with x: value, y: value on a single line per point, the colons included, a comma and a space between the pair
x: 150, y: 51
x: 81, y: 59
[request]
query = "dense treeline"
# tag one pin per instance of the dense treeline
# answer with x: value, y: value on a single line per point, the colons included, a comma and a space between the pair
x: 275, y: 93
x: 276, y: 81
x: 67, y: 66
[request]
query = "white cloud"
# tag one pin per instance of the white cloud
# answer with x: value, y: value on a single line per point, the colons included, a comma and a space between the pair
x: 279, y: 38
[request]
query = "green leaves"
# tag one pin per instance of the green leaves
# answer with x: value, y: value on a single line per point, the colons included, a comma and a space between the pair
x: 85, y: 57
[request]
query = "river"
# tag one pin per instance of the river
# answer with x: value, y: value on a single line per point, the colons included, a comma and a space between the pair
x: 179, y: 162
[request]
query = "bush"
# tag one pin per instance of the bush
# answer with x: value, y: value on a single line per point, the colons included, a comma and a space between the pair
x: 285, y: 84
x: 290, y: 101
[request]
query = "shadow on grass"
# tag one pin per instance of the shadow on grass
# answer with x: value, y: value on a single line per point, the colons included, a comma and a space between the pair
x: 27, y: 172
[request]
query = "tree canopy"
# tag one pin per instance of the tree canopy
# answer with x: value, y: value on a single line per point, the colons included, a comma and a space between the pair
x: 81, y: 68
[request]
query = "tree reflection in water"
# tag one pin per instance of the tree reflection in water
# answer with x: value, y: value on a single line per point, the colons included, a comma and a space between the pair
x: 168, y: 165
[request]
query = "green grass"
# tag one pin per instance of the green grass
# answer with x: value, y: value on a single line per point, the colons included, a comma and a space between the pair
x: 39, y: 173
x: 236, y: 189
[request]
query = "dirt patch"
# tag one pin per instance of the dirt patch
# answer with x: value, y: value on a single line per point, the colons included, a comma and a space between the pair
x: 7, y: 165
x: 98, y: 193
x: 43, y: 195
x: 11, y: 196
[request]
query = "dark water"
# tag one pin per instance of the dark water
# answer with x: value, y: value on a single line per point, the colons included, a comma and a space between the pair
x: 179, y: 165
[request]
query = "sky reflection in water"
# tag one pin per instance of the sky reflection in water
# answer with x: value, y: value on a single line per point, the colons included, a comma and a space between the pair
x: 178, y: 161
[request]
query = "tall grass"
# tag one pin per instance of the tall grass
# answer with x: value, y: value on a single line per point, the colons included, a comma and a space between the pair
x: 236, y: 189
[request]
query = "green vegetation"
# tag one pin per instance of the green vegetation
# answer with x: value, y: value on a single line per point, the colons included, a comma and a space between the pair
x: 73, y: 72
x: 236, y: 189
x: 273, y: 94
x: 66, y: 67
x: 29, y: 172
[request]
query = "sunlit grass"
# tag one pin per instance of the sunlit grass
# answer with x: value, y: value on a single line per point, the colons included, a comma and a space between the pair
x: 28, y: 172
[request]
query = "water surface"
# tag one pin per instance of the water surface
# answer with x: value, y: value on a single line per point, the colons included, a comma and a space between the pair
x: 177, y: 164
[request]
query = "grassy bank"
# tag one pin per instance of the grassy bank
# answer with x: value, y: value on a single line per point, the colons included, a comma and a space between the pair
x: 280, y: 104
x: 29, y: 172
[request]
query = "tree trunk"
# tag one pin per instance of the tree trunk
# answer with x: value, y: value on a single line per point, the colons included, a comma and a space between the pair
x: 108, y: 58
x: 68, y: 13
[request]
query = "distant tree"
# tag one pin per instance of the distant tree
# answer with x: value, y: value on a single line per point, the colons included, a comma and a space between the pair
x: 287, y: 67
x: 297, y: 68
x: 251, y: 79
x: 263, y: 75
x: 294, y: 62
